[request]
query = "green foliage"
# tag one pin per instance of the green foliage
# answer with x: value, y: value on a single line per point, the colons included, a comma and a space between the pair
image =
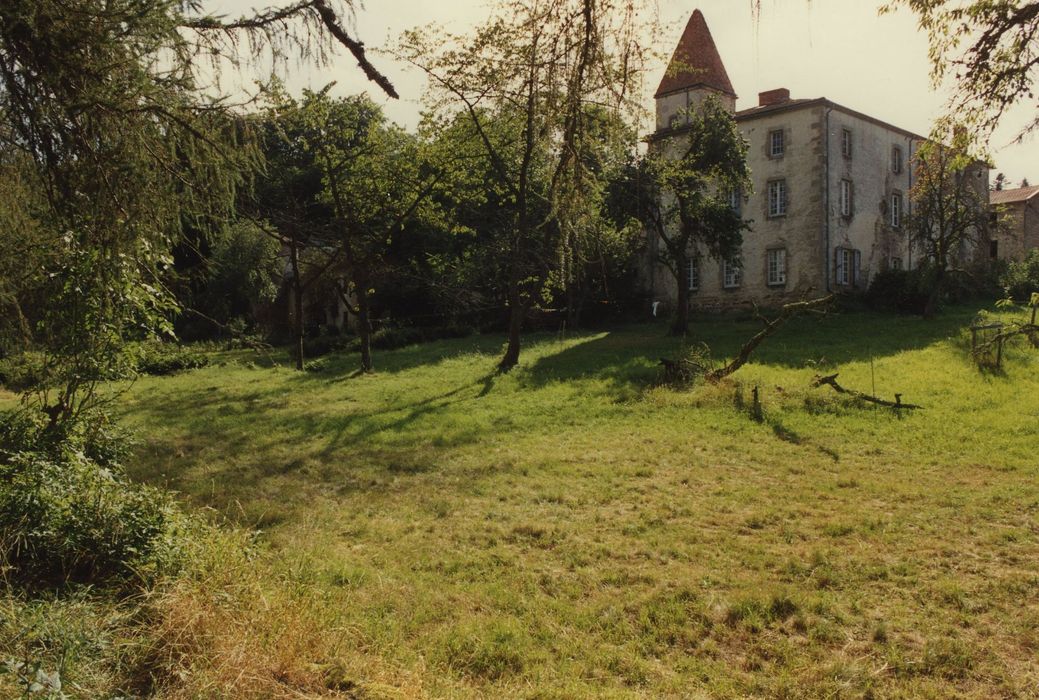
x: 121, y: 159
x: 388, y: 338
x: 115, y: 164
x: 904, y: 291
x: 243, y: 273
x: 67, y: 512
x: 990, y: 48
x: 1021, y: 278
x: 22, y: 371
x: 158, y: 358
x: 683, y: 190
x: 532, y: 83
x: 72, y: 520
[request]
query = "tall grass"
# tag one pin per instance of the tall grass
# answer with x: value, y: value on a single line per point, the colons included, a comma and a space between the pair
x: 573, y: 529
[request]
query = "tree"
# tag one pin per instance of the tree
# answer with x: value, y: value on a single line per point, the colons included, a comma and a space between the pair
x: 950, y: 212
x: 599, y: 257
x: 534, y: 68
x: 992, y: 49
x: 685, y: 198
x: 129, y: 141
x: 360, y: 182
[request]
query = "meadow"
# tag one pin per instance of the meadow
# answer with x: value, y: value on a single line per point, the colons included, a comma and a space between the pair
x: 574, y: 529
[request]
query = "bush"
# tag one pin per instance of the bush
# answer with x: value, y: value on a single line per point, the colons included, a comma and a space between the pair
x: 73, y: 520
x: 1021, y: 279
x: 904, y: 291
x: 21, y: 371
x: 387, y: 338
x: 161, y: 359
x: 93, y: 436
x: 67, y: 513
x: 325, y: 344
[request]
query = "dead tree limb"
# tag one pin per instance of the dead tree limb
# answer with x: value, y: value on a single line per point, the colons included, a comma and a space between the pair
x: 1029, y: 330
x: 277, y: 21
x: 831, y: 380
x: 771, y: 326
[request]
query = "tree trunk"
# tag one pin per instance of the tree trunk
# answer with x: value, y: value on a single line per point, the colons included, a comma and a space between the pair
x: 931, y: 305
x: 680, y: 322
x: 364, y: 327
x: 788, y: 312
x: 574, y: 304
x: 516, y: 313
x: 297, y: 303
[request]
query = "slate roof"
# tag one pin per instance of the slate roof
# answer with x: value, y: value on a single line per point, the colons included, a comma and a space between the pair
x: 696, y: 62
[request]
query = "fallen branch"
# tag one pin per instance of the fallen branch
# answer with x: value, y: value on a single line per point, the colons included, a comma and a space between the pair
x: 831, y: 380
x: 680, y: 372
x: 771, y: 326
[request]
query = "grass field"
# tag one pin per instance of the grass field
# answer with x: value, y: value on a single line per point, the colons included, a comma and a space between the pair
x: 573, y: 530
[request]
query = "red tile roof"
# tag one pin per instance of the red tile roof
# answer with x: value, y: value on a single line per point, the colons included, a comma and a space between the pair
x: 1022, y: 194
x: 696, y: 62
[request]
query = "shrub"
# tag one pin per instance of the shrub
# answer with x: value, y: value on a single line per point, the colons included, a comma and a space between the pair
x: 76, y: 521
x: 93, y: 436
x: 161, y: 359
x: 1021, y: 279
x: 903, y: 291
x: 21, y: 371
x: 324, y: 344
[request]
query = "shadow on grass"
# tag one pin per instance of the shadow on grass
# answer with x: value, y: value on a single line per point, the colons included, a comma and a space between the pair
x: 628, y: 356
x: 342, y: 366
x: 241, y: 440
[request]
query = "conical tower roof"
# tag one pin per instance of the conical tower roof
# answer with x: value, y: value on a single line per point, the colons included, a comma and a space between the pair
x: 696, y: 63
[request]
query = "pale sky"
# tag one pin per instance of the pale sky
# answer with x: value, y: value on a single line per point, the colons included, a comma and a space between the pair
x: 839, y: 49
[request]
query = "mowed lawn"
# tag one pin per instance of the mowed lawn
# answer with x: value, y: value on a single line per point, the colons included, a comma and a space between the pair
x: 572, y: 529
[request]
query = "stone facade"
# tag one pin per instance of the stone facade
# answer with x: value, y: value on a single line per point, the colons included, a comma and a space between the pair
x: 1017, y: 211
x: 830, y: 192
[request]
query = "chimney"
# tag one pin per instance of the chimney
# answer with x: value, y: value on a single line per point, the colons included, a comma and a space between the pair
x: 773, y: 97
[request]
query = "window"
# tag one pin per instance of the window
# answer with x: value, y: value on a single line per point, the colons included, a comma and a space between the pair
x: 846, y: 142
x: 993, y: 249
x: 846, y: 270
x: 675, y: 121
x: 896, y: 159
x: 896, y: 210
x: 776, y: 143
x: 732, y: 274
x: 692, y: 275
x: 777, y: 198
x: 736, y: 199
x: 776, y: 267
x: 896, y: 263
x: 847, y: 190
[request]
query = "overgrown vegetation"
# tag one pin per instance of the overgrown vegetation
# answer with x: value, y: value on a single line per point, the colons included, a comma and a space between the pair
x: 440, y: 530
x: 1021, y: 278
